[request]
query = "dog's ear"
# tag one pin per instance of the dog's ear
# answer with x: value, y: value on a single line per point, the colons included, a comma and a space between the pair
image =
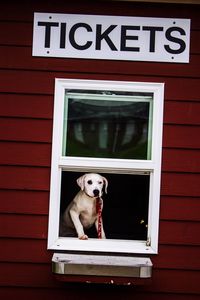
x: 81, y: 182
x: 106, y: 183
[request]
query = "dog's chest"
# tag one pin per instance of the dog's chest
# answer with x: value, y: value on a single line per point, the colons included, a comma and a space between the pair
x: 88, y: 207
x: 88, y: 213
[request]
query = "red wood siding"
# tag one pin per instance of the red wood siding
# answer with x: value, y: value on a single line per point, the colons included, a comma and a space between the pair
x: 26, y: 115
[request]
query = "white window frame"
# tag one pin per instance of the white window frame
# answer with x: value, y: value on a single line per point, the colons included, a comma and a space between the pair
x: 120, y: 166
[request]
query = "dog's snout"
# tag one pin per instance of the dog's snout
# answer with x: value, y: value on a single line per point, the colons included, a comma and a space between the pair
x: 96, y: 192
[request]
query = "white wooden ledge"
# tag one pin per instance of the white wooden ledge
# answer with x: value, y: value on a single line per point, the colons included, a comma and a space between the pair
x: 101, y: 265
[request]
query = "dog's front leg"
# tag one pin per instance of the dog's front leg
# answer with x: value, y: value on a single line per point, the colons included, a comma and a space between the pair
x: 78, y: 226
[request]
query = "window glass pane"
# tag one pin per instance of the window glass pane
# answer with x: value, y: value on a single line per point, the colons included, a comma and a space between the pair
x: 107, y: 126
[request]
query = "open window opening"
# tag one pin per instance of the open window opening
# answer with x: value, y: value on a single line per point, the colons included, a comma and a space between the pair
x: 125, y: 210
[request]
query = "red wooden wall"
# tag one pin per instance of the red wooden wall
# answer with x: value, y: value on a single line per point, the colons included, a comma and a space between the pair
x: 26, y: 107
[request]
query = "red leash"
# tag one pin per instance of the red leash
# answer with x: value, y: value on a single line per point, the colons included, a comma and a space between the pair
x: 99, y: 213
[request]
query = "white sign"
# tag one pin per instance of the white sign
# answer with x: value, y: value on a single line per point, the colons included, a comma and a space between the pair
x: 111, y: 37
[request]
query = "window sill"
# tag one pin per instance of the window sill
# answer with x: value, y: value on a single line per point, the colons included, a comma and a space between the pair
x: 121, y: 270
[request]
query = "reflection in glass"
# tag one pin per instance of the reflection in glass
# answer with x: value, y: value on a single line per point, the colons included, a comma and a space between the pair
x: 108, y: 126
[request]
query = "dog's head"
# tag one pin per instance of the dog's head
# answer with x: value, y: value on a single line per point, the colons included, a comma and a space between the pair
x: 92, y: 184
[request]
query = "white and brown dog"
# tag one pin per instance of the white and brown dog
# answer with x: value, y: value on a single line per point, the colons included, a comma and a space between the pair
x: 82, y: 212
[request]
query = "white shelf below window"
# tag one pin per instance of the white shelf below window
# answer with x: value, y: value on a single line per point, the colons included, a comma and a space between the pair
x: 101, y: 265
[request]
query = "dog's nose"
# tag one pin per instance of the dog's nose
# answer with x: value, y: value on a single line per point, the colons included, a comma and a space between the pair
x: 96, y: 193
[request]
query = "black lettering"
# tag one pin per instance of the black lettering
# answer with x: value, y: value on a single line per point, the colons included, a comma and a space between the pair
x: 62, y: 35
x: 125, y: 37
x: 152, y: 30
x: 176, y: 40
x: 104, y: 36
x: 48, y: 26
x: 72, y: 36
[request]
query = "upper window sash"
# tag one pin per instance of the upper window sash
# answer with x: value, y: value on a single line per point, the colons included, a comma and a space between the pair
x: 63, y: 85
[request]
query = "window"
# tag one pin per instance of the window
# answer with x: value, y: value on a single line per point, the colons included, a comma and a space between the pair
x: 114, y: 129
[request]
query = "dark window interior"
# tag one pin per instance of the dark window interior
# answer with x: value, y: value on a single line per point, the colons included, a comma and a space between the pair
x: 125, y: 212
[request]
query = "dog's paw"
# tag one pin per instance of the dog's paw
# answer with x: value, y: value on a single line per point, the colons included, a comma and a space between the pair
x: 83, y: 237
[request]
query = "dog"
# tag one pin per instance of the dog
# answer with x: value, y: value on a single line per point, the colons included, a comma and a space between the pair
x: 82, y: 211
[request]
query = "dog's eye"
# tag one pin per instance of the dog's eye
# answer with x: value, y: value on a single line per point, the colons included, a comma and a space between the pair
x: 100, y: 182
x: 89, y: 182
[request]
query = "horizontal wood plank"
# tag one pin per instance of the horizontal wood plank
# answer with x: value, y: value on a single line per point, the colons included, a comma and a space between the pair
x: 25, y: 178
x: 39, y: 275
x: 24, y: 202
x: 35, y: 226
x: 23, y: 226
x: 181, y: 160
x: 177, y: 257
x: 179, y: 233
x: 180, y: 184
x: 27, y: 275
x: 39, y: 155
x: 33, y: 130
x: 76, y: 292
x: 194, y: 41
x: 182, y: 112
x: 9, y: 37
x: 39, y: 82
x: 25, y: 154
x: 15, y: 129
x: 29, y: 202
x: 49, y: 293
x: 28, y: 251
x: 41, y: 107
x: 23, y: 60
x: 180, y: 208
x: 35, y: 251
x: 177, y: 136
x: 26, y: 106
x: 175, y: 281
x: 87, y: 7
x: 36, y: 178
